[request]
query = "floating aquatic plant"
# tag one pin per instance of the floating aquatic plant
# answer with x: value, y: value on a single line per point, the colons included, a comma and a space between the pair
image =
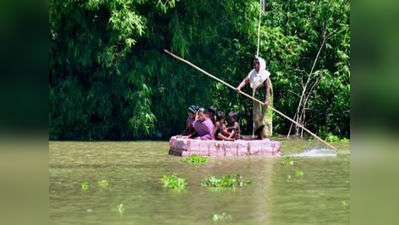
x: 299, y: 173
x: 223, y: 216
x: 102, y: 183
x: 173, y: 182
x: 288, y: 161
x: 195, y: 159
x: 120, y: 208
x: 226, y: 181
x: 85, y: 186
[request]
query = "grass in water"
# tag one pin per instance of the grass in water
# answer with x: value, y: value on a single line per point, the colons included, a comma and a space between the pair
x: 173, y: 182
x: 195, y: 159
x: 226, y: 181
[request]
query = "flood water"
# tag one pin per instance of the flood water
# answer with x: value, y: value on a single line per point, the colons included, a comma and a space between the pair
x: 118, y: 183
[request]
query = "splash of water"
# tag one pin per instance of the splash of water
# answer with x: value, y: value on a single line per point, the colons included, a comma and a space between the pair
x: 321, y: 152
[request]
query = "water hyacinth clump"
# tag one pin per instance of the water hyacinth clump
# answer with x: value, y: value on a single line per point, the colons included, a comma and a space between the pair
x: 173, y: 182
x: 226, y: 181
x: 85, y: 186
x: 195, y: 159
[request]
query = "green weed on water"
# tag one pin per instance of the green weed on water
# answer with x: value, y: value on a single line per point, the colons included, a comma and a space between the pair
x: 173, y: 182
x: 195, y: 159
x: 226, y: 181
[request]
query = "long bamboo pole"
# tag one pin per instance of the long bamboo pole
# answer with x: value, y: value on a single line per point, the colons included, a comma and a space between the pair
x: 247, y: 95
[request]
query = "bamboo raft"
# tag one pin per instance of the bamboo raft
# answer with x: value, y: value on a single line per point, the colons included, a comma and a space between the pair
x: 214, y: 148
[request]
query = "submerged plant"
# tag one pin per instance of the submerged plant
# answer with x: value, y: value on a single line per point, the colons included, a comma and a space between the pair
x: 226, y: 181
x: 85, y: 186
x: 120, y: 209
x: 223, y: 216
x: 344, y: 203
x: 299, y: 173
x: 195, y: 159
x: 288, y: 161
x: 102, y: 183
x: 173, y: 182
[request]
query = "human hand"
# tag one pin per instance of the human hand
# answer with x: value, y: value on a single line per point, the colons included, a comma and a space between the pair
x: 266, y: 104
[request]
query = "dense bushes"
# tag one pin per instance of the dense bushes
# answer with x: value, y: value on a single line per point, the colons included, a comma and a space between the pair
x: 109, y: 77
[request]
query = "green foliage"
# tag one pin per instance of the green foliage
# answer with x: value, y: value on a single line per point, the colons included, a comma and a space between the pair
x: 109, y: 77
x: 85, y: 186
x: 345, y: 140
x: 333, y: 138
x: 174, y: 182
x: 288, y: 161
x: 119, y: 208
x: 223, y: 216
x: 102, y: 183
x: 195, y: 159
x: 226, y: 181
x: 299, y: 173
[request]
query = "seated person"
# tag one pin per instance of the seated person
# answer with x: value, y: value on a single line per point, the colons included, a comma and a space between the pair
x: 233, y: 126
x: 190, y: 120
x: 212, y: 113
x: 203, y: 126
x: 220, y: 130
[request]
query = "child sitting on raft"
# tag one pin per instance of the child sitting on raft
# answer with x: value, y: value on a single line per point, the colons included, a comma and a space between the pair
x: 203, y: 126
x: 192, y: 110
x: 212, y: 114
x: 220, y: 130
x: 233, y: 127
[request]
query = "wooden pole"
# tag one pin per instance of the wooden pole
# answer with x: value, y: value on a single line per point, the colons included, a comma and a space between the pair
x: 260, y: 17
x: 247, y: 95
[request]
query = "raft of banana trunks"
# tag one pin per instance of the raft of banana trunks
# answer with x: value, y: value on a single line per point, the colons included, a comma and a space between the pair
x: 215, y: 148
